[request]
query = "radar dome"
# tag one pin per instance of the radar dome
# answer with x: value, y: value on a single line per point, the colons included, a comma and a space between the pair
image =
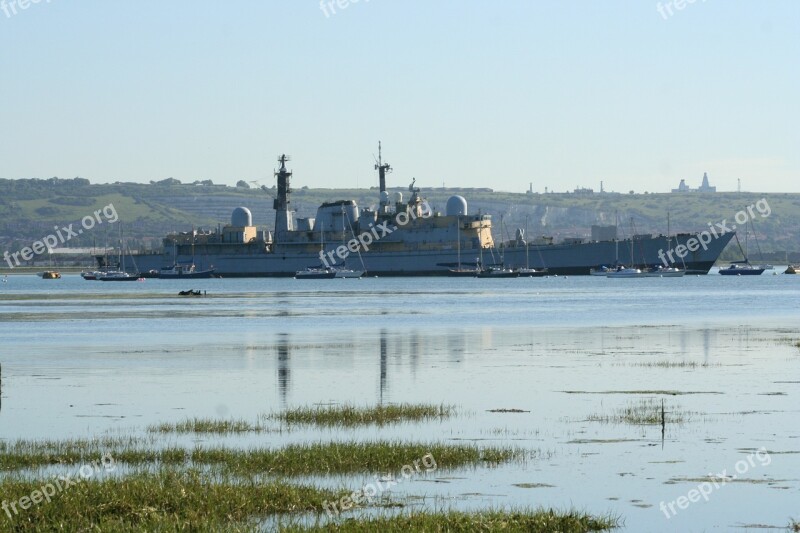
x: 456, y: 205
x: 241, y: 217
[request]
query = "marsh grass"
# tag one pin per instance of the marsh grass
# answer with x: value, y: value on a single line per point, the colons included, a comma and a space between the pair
x: 161, y: 501
x: 514, y: 521
x: 350, y: 457
x: 207, y: 425
x: 673, y: 364
x: 292, y: 460
x: 641, y: 413
x: 351, y: 415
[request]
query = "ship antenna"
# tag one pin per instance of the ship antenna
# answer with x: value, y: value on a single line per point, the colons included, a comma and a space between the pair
x: 383, y: 169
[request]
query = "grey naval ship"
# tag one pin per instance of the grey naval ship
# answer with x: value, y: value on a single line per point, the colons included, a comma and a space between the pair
x: 404, y: 237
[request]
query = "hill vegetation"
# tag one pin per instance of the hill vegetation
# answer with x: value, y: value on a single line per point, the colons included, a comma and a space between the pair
x: 30, y: 208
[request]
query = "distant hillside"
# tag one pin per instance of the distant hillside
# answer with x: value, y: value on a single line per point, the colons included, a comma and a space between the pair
x: 30, y: 208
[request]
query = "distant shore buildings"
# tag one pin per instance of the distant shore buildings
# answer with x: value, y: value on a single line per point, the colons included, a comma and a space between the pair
x: 704, y: 187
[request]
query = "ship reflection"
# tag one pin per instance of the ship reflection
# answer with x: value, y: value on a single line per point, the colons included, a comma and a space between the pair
x: 284, y: 371
x: 408, y: 350
x: 384, y: 344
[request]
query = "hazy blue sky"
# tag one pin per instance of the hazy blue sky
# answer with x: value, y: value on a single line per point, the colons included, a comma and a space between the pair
x: 477, y: 94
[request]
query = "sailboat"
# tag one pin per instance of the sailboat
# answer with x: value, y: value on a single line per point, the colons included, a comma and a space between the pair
x: 317, y: 272
x: 119, y: 275
x: 662, y: 271
x: 49, y: 274
x: 496, y: 270
x: 618, y: 271
x: 184, y: 270
x: 343, y: 271
x: 460, y: 271
x: 741, y: 268
x: 529, y: 272
x: 763, y: 265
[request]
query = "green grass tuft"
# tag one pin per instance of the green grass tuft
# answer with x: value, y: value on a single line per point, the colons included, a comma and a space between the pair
x: 293, y: 460
x: 350, y: 415
x: 207, y: 425
x: 163, y: 501
x: 515, y: 521
x: 643, y: 412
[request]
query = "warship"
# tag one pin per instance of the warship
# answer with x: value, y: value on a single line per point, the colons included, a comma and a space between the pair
x: 405, y: 237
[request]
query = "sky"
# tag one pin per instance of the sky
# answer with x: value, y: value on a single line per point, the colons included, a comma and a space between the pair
x: 560, y: 94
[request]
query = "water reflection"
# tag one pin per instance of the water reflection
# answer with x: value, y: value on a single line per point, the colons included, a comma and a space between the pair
x: 383, y: 356
x: 284, y: 370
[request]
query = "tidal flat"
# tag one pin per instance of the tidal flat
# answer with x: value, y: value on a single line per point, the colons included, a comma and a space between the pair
x: 563, y: 379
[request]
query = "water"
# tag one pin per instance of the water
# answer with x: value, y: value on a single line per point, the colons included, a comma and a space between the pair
x: 81, y: 358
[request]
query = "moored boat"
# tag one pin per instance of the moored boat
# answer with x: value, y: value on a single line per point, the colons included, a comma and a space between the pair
x: 498, y: 272
x: 627, y: 272
x: 118, y: 276
x: 184, y: 271
x: 660, y: 271
x: 315, y: 273
x: 532, y: 272
x: 49, y: 274
x: 741, y: 269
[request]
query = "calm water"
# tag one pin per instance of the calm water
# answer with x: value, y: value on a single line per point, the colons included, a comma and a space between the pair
x: 81, y: 358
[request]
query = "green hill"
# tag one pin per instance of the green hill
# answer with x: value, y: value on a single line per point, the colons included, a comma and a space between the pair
x: 30, y: 208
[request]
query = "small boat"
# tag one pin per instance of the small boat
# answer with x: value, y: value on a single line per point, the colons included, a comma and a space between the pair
x: 190, y: 293
x: 600, y: 271
x: 463, y: 272
x: 187, y: 271
x: 627, y: 272
x: 315, y: 273
x: 532, y: 272
x: 741, y: 269
x: 792, y: 269
x: 347, y: 273
x: 91, y: 276
x: 49, y: 274
x: 660, y: 271
x: 498, y: 272
x: 118, y: 275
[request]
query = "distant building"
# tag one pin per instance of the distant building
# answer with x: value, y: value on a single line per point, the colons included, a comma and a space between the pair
x: 682, y: 187
x: 704, y: 187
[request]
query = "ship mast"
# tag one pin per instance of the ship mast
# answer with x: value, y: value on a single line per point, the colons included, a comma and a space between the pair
x: 283, y: 217
x: 383, y: 169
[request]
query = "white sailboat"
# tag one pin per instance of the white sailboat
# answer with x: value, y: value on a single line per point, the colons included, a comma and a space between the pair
x: 344, y: 272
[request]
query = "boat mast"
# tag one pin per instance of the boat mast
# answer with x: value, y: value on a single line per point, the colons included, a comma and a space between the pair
x: 527, y: 251
x: 283, y: 216
x: 458, y: 240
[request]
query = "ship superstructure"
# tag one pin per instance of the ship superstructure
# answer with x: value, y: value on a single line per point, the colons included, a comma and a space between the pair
x: 398, y: 236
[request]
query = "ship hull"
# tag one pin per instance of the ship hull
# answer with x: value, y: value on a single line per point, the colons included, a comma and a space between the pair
x: 558, y: 259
